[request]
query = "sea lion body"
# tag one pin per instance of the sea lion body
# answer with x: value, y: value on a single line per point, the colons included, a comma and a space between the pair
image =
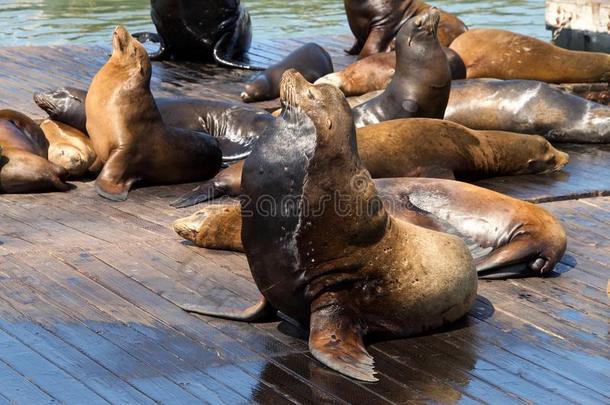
x: 375, y: 72
x: 422, y: 147
x: 70, y: 148
x: 422, y: 81
x: 128, y: 133
x: 500, y: 54
x: 528, y: 107
x: 311, y: 60
x: 24, y: 167
x: 524, y: 238
x: 375, y: 24
x: 235, y: 125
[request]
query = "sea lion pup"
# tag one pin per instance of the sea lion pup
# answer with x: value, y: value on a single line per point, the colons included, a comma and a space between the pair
x: 235, y: 125
x: 423, y: 147
x: 376, y: 71
x: 525, y: 239
x: 376, y: 23
x: 528, y: 107
x: 311, y: 60
x: 500, y: 54
x: 422, y: 81
x: 128, y: 133
x: 70, y: 149
x: 373, y: 274
x: 23, y: 164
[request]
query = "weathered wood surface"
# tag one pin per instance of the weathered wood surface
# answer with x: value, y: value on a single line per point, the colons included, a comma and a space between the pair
x: 88, y: 291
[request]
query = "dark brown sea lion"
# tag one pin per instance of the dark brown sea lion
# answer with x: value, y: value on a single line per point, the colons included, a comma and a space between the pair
x: 212, y: 30
x: 422, y: 81
x: 524, y: 238
x: 70, y: 149
x: 311, y: 60
x: 235, y: 125
x: 128, y: 133
x: 528, y: 107
x: 23, y: 164
x: 376, y: 23
x: 499, y: 54
x: 376, y: 71
x: 423, y: 147
x: 374, y: 273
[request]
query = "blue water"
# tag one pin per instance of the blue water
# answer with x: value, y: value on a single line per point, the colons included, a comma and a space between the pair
x: 55, y: 22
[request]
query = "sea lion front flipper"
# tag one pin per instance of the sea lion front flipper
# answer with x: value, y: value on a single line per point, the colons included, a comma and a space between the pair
x: 113, y: 181
x: 516, y: 259
x: 258, y: 312
x: 336, y: 341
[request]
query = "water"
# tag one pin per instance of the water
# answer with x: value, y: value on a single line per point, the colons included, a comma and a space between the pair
x: 56, y: 22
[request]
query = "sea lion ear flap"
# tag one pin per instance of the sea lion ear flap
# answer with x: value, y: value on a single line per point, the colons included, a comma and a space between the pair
x: 336, y: 341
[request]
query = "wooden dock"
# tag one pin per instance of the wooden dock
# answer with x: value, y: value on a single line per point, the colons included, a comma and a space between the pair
x: 88, y: 290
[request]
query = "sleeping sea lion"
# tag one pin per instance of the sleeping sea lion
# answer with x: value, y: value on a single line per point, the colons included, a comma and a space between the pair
x: 422, y: 81
x: 524, y: 238
x: 500, y: 54
x: 70, y: 149
x: 376, y: 23
x: 373, y: 274
x: 128, y: 133
x: 423, y: 147
x: 311, y: 60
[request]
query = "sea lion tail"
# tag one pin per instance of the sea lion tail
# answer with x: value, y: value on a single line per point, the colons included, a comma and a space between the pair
x: 222, y: 60
x: 162, y: 53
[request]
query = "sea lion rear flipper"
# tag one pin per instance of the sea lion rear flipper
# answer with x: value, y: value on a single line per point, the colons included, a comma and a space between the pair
x: 202, y: 193
x: 336, y: 341
x: 162, y: 53
x: 113, y: 182
x: 516, y: 259
x: 258, y: 312
x: 223, y: 60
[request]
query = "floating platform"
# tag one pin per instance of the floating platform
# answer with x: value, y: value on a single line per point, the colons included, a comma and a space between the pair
x: 580, y: 25
x: 88, y: 289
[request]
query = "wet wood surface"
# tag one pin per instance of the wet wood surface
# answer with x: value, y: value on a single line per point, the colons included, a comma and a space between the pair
x: 88, y: 290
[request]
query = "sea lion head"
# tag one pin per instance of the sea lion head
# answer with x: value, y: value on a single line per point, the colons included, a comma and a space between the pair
x: 65, y: 103
x: 419, y: 31
x: 550, y: 159
x: 129, y: 52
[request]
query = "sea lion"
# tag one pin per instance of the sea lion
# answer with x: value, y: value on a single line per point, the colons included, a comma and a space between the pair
x: 70, y: 148
x: 376, y: 23
x: 423, y: 147
x: 376, y: 71
x: 23, y: 164
x: 528, y: 107
x: 311, y: 60
x: 214, y: 30
x: 422, y: 81
x: 373, y: 274
x: 235, y: 125
x: 128, y: 133
x: 500, y: 54
x: 524, y: 238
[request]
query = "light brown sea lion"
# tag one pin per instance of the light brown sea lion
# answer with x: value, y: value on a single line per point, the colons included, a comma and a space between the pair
x: 376, y: 71
x: 23, y: 164
x: 311, y: 60
x: 375, y: 24
x: 422, y: 81
x: 350, y: 272
x: 423, y: 147
x: 524, y: 238
x: 500, y: 54
x: 70, y: 149
x: 128, y: 133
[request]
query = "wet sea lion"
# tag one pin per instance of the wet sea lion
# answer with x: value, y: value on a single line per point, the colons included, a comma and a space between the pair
x: 70, y: 148
x: 311, y: 60
x: 373, y: 274
x: 500, y: 54
x: 422, y: 81
x: 23, y: 164
x: 214, y: 30
x: 376, y: 71
x: 524, y: 238
x: 423, y: 147
x: 128, y: 133
x: 235, y: 125
x: 528, y: 107
x: 375, y: 24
